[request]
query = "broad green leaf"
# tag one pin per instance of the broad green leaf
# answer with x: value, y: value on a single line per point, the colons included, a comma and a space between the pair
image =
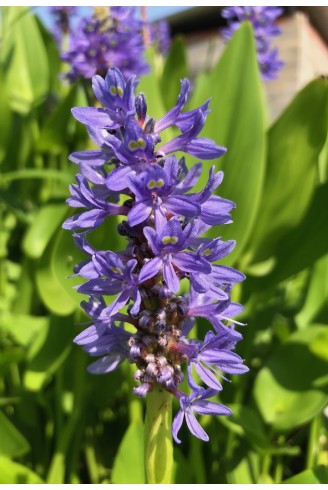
x: 317, y: 293
x: 175, y: 69
x: 53, y: 54
x: 28, y: 72
x: 9, y: 356
x: 17, y: 155
x: 12, y: 443
x: 44, y: 224
x: 15, y: 473
x: 150, y: 86
x: 25, y: 328
x: 55, y: 134
x: 48, y: 351
x: 57, y: 299
x: 302, y: 246
x: 319, y: 345
x: 246, y: 471
x: 181, y: 468
x: 287, y: 389
x: 294, y: 144
x: 5, y: 119
x: 129, y: 461
x: 237, y: 121
x: 310, y: 476
x: 26, y: 287
x: 251, y: 424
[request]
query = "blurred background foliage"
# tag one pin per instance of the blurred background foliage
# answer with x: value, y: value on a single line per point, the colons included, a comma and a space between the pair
x: 59, y: 424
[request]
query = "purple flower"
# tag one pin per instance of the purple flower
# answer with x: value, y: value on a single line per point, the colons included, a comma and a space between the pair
x: 196, y: 402
x: 163, y: 219
x: 110, y: 37
x: 62, y: 16
x: 167, y: 245
x: 263, y: 23
x: 160, y: 36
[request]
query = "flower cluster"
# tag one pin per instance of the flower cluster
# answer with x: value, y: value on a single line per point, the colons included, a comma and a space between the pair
x: 263, y: 23
x: 133, y: 175
x: 110, y: 37
x: 160, y: 36
x: 61, y: 16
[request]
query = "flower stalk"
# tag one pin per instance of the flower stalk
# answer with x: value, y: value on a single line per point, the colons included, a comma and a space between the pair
x: 158, y: 437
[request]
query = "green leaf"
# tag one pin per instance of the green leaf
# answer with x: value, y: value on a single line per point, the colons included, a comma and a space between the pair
x: 286, y: 389
x: 181, y: 468
x: 237, y: 121
x: 294, y: 144
x: 302, y: 246
x: 313, y: 475
x: 25, y: 328
x: 55, y: 133
x: 150, y: 86
x: 51, y: 290
x: 251, y: 423
x: 11, y: 472
x: 319, y: 345
x: 9, y: 356
x: 27, y: 77
x: 246, y: 471
x: 129, y: 461
x: 317, y: 293
x: 53, y: 53
x: 48, y: 352
x: 12, y: 443
x: 44, y: 225
x: 175, y: 69
x: 5, y: 119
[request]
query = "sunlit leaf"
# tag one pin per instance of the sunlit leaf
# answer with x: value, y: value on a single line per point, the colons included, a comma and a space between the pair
x: 55, y: 134
x: 129, y: 461
x: 175, y: 69
x: 317, y: 293
x: 301, y: 246
x: 237, y: 121
x: 50, y: 289
x: 11, y: 472
x: 294, y: 144
x: 12, y: 442
x: 49, y: 351
x: 44, y: 224
x: 286, y: 388
x: 310, y: 476
x: 27, y: 76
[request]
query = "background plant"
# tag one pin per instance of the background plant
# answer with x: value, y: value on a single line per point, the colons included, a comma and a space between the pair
x: 57, y: 422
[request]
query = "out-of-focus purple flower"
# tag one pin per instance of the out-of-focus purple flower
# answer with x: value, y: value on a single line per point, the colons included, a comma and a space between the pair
x: 160, y: 36
x: 112, y: 38
x: 62, y: 16
x: 134, y: 176
x: 264, y: 27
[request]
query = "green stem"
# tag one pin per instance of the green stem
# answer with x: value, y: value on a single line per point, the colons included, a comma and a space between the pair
x: 313, y: 447
x: 35, y: 173
x: 158, y: 438
x: 278, y: 474
x: 91, y: 460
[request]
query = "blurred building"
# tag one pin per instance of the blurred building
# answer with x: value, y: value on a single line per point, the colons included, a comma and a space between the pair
x: 303, y: 45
